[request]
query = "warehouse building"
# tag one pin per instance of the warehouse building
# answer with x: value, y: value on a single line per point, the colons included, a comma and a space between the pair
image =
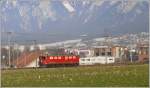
x: 143, y: 52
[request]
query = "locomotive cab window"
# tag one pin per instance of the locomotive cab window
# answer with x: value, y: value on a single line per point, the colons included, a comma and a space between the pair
x: 42, y: 57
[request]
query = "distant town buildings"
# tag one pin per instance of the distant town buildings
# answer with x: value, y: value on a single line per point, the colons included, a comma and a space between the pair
x: 124, y: 48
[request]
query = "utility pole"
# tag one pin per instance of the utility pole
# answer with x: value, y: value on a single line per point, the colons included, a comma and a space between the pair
x: 8, y: 35
x: 17, y: 54
x: 13, y: 53
x: 131, y: 59
x: 25, y: 58
x: 131, y: 56
x: 34, y: 43
x: 26, y: 50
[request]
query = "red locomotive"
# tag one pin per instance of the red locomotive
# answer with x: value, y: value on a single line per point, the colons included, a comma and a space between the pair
x: 64, y: 60
x: 58, y: 57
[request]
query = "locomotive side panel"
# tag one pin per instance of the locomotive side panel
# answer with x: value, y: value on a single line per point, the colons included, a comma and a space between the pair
x: 59, y: 60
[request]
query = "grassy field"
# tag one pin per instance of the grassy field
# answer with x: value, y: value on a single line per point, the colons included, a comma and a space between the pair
x: 90, y: 76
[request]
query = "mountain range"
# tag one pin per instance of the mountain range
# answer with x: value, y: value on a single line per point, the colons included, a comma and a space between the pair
x: 56, y: 20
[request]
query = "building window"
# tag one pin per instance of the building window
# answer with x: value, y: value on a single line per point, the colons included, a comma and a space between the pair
x: 103, y: 53
x: 110, y: 59
x: 88, y: 59
x: 147, y: 52
x: 109, y: 53
x: 103, y: 49
x: 97, y: 54
x: 92, y: 59
x: 82, y: 59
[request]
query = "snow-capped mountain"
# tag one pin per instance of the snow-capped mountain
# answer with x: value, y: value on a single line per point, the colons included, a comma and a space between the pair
x: 74, y: 17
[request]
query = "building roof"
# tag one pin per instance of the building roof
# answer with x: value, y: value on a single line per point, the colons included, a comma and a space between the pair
x: 100, y: 46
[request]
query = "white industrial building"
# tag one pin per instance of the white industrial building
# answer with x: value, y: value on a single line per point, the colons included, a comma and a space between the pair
x: 88, y: 57
x: 96, y: 60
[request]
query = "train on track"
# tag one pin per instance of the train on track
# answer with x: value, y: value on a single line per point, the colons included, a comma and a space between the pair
x: 60, y: 60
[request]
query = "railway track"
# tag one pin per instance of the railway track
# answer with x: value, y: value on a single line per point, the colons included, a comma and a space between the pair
x: 116, y: 64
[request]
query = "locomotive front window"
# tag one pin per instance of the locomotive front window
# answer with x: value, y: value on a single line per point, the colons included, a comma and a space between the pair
x: 59, y: 57
x: 51, y: 57
x: 42, y: 57
x: 55, y: 57
x: 74, y: 57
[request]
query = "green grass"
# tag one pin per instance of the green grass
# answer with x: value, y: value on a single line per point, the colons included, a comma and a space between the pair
x: 90, y: 76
